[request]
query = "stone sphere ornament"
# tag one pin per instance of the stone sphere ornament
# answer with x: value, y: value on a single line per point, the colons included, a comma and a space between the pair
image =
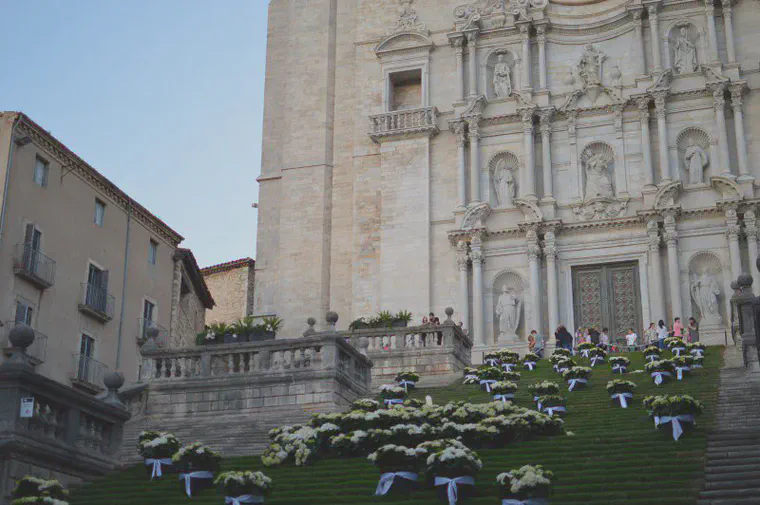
x: 113, y: 380
x: 22, y: 336
x: 744, y: 280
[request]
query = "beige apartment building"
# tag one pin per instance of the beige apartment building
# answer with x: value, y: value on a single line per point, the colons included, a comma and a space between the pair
x: 231, y: 284
x: 84, y: 264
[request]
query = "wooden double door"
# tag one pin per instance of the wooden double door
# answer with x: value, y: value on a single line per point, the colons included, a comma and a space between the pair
x: 608, y: 296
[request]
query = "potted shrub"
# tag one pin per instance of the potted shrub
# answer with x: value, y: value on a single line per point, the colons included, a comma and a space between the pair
x: 559, y: 351
x: 504, y: 390
x: 543, y: 388
x: 576, y: 376
x: 157, y: 450
x: 407, y: 380
x: 453, y: 470
x: 491, y: 358
x: 399, y: 466
x: 527, y: 485
x: 673, y: 409
x: 619, y: 364
x: 561, y: 363
x: 33, y: 491
x: 697, y: 349
x: 676, y: 345
x: 660, y: 370
x: 488, y: 375
x: 552, y: 404
x: 597, y: 356
x: 401, y: 320
x: 196, y: 464
x: 244, y: 328
x: 471, y: 375
x: 585, y: 348
x: 270, y: 326
x: 244, y: 487
x: 621, y: 390
x: 358, y: 324
x: 682, y: 364
x: 652, y: 353
x: 530, y: 360
x: 392, y: 394
x: 222, y: 333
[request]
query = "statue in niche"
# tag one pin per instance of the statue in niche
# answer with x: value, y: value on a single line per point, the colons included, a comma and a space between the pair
x: 502, y: 84
x: 504, y: 183
x: 508, y: 312
x: 590, y: 66
x: 705, y: 291
x: 598, y: 183
x: 684, y: 53
x: 696, y: 160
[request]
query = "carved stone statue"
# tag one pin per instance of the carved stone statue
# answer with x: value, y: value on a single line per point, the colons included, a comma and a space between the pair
x: 502, y: 84
x: 705, y: 291
x: 504, y: 183
x: 684, y: 53
x: 598, y: 183
x: 508, y: 312
x: 695, y: 159
x: 591, y: 65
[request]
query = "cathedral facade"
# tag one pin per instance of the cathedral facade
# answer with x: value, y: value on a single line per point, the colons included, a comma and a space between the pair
x: 527, y: 162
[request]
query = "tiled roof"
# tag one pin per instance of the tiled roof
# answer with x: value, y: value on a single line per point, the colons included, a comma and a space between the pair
x: 228, y: 265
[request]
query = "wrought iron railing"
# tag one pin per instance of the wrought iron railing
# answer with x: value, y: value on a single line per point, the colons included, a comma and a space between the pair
x: 33, y: 265
x: 88, y: 371
x: 97, y: 301
x: 143, y: 325
x: 37, y: 351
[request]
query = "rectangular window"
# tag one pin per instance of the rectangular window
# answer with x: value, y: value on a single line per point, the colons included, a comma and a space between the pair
x: 405, y: 89
x: 86, y: 351
x: 149, y: 310
x: 97, y: 288
x: 153, y: 252
x: 100, y: 212
x: 23, y: 313
x: 41, y: 169
x: 32, y: 248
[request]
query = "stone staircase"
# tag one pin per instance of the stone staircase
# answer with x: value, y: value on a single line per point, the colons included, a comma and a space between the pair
x: 732, y: 471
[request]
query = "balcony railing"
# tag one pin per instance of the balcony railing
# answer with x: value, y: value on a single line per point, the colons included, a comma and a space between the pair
x: 404, y: 123
x: 33, y: 266
x: 142, y: 328
x: 87, y: 373
x: 36, y: 351
x: 96, y: 302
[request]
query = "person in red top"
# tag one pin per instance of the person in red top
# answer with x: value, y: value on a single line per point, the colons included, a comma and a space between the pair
x: 677, y: 328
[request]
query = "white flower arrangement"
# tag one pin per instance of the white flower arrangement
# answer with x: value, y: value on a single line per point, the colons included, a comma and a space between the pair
x: 366, y: 405
x: 244, y: 483
x: 525, y: 482
x: 196, y: 456
x: 32, y: 491
x: 395, y: 458
x: 392, y: 392
x: 163, y: 446
x: 453, y: 462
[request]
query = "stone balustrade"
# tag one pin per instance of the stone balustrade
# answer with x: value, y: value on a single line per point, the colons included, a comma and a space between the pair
x: 407, y: 122
x: 426, y: 350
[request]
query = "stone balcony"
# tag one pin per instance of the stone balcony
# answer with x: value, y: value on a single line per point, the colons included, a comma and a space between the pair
x: 403, y: 124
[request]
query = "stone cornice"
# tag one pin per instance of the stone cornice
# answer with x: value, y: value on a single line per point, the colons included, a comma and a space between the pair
x: 74, y: 164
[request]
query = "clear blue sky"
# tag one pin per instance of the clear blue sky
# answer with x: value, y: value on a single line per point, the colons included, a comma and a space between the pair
x: 164, y: 97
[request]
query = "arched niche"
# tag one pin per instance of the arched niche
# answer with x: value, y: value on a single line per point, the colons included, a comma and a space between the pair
x: 684, y: 47
x: 706, y: 291
x: 503, y: 176
x: 598, y: 163
x: 695, y: 143
x: 509, y: 291
x: 489, y: 65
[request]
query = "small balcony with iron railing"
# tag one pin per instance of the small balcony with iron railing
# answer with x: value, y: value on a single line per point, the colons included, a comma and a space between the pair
x: 32, y: 265
x: 87, y: 373
x: 161, y: 335
x: 96, y: 302
x: 36, y: 352
x: 403, y: 123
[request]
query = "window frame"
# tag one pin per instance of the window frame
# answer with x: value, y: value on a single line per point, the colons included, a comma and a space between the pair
x: 29, y: 312
x: 152, y: 252
x: 99, y: 204
x: 39, y: 160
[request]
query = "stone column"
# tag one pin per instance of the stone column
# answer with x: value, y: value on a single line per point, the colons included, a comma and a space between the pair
x: 732, y: 235
x: 473, y: 132
x: 458, y: 128
x: 646, y: 143
x: 750, y: 229
x: 641, y: 60
x: 654, y: 24
x: 546, y: 152
x: 472, y: 37
x: 550, y: 253
x: 741, y: 142
x: 534, y: 251
x: 541, y: 38
x: 662, y: 134
x: 456, y: 43
x: 671, y: 239
x: 728, y: 23
x: 658, y: 294
x: 712, y: 36
x: 464, y: 283
x: 529, y: 184
x: 719, y: 104
x: 525, y: 38
x: 478, y: 258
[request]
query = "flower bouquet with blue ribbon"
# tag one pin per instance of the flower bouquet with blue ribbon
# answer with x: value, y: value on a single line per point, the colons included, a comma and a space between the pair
x: 585, y: 349
x: 157, y: 449
x: 676, y: 410
x: 619, y: 364
x: 682, y: 365
x: 621, y: 390
x: 697, y: 349
x: 407, y: 380
x: 660, y: 370
x: 576, y: 376
x: 597, y: 356
x: 196, y: 464
x: 453, y: 471
x: 392, y: 394
x: 652, y: 353
x: 527, y: 485
x: 542, y: 388
x: 530, y: 360
x: 242, y: 488
x: 504, y: 391
x: 399, y: 466
x: 552, y: 404
x: 489, y: 375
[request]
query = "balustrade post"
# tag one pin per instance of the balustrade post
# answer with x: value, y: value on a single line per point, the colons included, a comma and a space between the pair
x: 206, y: 363
x: 71, y: 435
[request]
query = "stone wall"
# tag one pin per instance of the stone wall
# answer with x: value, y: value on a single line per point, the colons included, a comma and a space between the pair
x: 231, y: 285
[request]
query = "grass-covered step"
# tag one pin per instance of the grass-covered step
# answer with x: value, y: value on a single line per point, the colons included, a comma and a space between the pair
x: 608, y: 455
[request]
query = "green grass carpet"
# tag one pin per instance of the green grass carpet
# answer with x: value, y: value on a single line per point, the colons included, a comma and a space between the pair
x: 615, y: 455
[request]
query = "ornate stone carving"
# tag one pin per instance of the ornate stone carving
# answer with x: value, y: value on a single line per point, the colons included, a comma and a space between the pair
x: 462, y: 257
x: 733, y: 231
x: 642, y: 104
x: 519, y: 8
x: 695, y: 159
x: 653, y: 236
x: 475, y: 216
x: 597, y: 159
x: 666, y: 195
x: 502, y: 82
x: 684, y: 51
x: 727, y: 188
x: 503, y: 167
x: 407, y: 20
x: 737, y: 93
x: 530, y: 210
x: 659, y: 104
x: 507, y: 311
x: 545, y: 120
x: 705, y: 291
x: 662, y: 83
x: 590, y: 66
x: 600, y: 208
x: 458, y: 128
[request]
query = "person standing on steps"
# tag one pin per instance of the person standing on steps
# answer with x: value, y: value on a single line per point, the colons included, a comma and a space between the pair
x: 662, y: 334
x: 693, y: 329
x: 677, y: 328
x: 650, y: 335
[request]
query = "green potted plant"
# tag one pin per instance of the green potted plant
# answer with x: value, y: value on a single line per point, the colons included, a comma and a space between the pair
x: 402, y: 319
x: 358, y: 324
x: 244, y: 328
x: 384, y: 319
x: 33, y: 491
x: 272, y: 325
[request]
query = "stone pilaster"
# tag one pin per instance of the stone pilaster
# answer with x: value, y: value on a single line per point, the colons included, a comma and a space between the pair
x: 719, y: 103
x: 751, y: 231
x: 550, y: 254
x: 658, y: 294
x: 654, y: 24
x: 464, y: 283
x: 472, y: 47
x: 712, y: 36
x: 674, y: 273
x: 457, y: 42
x: 478, y: 323
x: 733, y: 230
x: 174, y: 336
x: 638, y: 29
x: 526, y: 59
x: 541, y: 39
x: 737, y: 92
x: 529, y: 179
x: 662, y: 134
x: 473, y: 133
x: 646, y: 143
x: 534, y: 253
x: 728, y: 28
x: 459, y: 131
x: 545, y: 119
